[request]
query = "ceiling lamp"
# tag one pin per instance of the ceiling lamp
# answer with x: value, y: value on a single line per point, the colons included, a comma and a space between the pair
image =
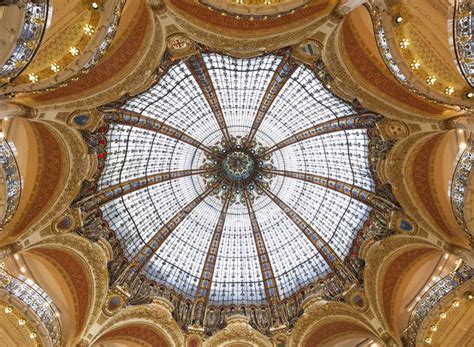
x: 415, y: 64
x: 431, y: 80
x: 33, y: 77
x: 404, y: 43
x: 398, y: 19
x: 88, y: 29
x: 55, y: 67
x: 74, y: 51
x: 449, y: 90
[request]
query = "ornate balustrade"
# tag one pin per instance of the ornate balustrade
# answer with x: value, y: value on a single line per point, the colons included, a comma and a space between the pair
x: 459, y: 183
x: 31, y: 35
x: 432, y: 297
x: 103, y: 38
x: 12, y: 181
x: 36, y: 300
x: 463, y: 31
x: 397, y: 66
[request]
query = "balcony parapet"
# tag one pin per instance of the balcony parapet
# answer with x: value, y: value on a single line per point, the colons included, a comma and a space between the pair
x: 463, y: 32
x: 30, y: 38
x: 12, y: 182
x: 395, y: 63
x: 459, y: 185
x: 94, y: 53
x: 432, y: 297
x: 32, y: 298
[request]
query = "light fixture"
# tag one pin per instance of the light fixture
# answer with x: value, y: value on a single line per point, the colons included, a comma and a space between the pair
x: 404, y: 43
x: 428, y: 340
x: 22, y: 269
x: 55, y: 67
x: 398, y: 19
x: 33, y: 77
x: 469, y: 295
x: 449, y: 90
x: 415, y: 64
x: 442, y: 315
x: 33, y: 335
x: 8, y: 309
x: 456, y: 302
x: 462, y: 147
x: 88, y: 29
x: 74, y: 51
x: 94, y: 5
x: 434, y: 328
x: 469, y: 95
x: 431, y: 80
x: 21, y: 322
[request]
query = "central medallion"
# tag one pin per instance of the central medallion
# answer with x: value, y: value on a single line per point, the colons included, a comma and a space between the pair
x: 238, y: 166
x: 238, y: 170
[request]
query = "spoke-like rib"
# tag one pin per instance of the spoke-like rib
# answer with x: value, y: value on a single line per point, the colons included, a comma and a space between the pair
x: 326, y: 251
x: 199, y: 70
x: 113, y: 192
x: 269, y: 281
x: 359, y: 121
x: 139, y: 121
x: 204, y: 286
x: 360, y: 194
x: 150, y: 248
x: 282, y: 74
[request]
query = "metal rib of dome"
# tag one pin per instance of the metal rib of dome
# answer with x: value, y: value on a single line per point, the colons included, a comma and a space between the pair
x: 236, y: 180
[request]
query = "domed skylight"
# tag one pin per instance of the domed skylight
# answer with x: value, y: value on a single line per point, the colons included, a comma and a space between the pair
x: 238, y: 178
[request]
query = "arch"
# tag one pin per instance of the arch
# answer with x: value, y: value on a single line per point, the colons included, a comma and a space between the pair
x: 342, y: 332
x: 397, y: 269
x: 212, y: 18
x: 420, y: 169
x: 154, y: 319
x: 73, y: 272
x: 134, y: 334
x: 325, y: 323
x: 360, y: 55
x: 134, y: 33
x: 44, y: 165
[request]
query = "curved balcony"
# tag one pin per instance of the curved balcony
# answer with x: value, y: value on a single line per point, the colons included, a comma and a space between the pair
x: 94, y: 51
x: 463, y: 30
x: 32, y: 299
x: 11, y: 187
x: 432, y: 297
x: 32, y: 30
x: 389, y: 51
x: 257, y: 9
x: 459, y: 184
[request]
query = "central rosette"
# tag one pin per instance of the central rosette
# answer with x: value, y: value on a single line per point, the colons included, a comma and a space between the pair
x: 237, y: 170
x: 238, y: 166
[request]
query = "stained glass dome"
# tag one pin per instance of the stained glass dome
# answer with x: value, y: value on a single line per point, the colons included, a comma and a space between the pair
x: 236, y: 180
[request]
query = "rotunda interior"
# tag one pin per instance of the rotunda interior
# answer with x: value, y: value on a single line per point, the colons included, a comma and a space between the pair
x: 271, y: 173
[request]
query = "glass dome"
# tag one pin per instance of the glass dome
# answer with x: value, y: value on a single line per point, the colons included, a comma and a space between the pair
x: 230, y: 163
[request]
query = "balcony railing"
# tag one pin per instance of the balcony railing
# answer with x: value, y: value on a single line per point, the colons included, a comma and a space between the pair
x: 31, y: 35
x: 99, y: 52
x: 431, y: 298
x: 399, y: 69
x: 459, y: 184
x: 36, y: 300
x: 12, y: 181
x: 463, y: 30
